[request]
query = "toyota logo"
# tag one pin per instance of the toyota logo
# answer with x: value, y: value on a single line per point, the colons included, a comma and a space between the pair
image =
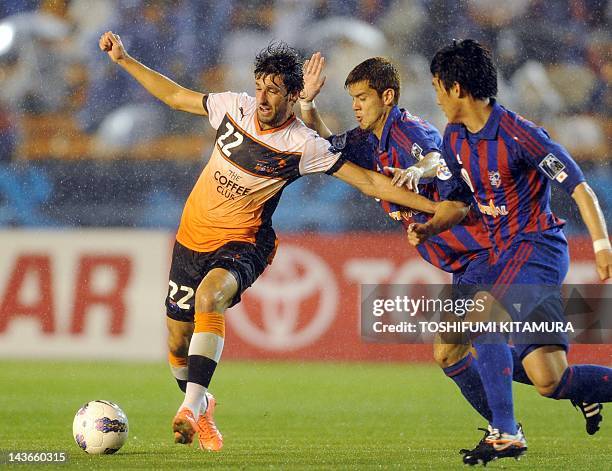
x: 291, y: 305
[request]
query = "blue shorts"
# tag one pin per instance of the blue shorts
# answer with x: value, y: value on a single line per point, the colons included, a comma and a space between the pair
x: 476, y: 270
x: 526, y: 279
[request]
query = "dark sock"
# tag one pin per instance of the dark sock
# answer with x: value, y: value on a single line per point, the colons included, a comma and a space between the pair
x: 585, y: 383
x: 466, y: 376
x: 200, y: 369
x: 495, y: 367
x: 182, y: 383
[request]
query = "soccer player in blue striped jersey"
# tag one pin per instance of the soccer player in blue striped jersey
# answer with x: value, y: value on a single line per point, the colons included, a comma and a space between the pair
x: 509, y: 163
x: 390, y: 139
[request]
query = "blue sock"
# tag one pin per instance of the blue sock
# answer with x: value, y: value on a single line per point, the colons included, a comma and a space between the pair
x: 585, y: 383
x: 495, y: 367
x: 518, y: 372
x: 465, y: 375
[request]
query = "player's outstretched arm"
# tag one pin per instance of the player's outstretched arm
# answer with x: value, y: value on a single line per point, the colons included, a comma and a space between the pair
x: 313, y: 83
x: 161, y: 87
x: 447, y: 215
x: 379, y: 186
x: 595, y: 222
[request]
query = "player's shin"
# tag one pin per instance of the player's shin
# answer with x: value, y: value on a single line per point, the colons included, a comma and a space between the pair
x: 495, y: 367
x: 466, y: 376
x: 585, y: 383
x: 204, y: 354
x: 453, y: 355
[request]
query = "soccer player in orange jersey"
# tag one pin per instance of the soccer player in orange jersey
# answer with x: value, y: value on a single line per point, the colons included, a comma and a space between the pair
x: 225, y: 238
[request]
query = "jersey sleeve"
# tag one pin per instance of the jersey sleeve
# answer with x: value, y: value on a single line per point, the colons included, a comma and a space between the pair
x: 218, y: 104
x: 355, y: 147
x: 417, y: 139
x: 318, y: 155
x: 449, y: 180
x: 453, y: 189
x: 549, y: 157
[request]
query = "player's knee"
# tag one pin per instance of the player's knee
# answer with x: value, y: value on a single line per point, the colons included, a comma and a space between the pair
x: 546, y: 386
x: 178, y: 345
x: 446, y: 355
x: 211, y: 300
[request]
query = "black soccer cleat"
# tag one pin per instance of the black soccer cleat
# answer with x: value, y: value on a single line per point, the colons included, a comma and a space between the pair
x: 495, y: 445
x: 592, y: 415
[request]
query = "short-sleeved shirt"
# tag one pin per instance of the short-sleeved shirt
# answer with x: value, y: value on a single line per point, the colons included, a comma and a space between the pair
x: 509, y: 166
x: 405, y: 140
x: 239, y: 188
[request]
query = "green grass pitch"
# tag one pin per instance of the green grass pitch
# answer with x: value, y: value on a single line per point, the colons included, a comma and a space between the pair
x: 286, y: 416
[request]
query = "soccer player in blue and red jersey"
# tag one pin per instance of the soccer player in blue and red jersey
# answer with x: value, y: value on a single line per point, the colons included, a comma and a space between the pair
x: 509, y: 164
x: 390, y: 139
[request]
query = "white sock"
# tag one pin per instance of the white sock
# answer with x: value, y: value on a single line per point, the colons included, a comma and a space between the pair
x: 194, y: 397
x: 204, y: 405
x: 207, y: 344
x: 179, y: 372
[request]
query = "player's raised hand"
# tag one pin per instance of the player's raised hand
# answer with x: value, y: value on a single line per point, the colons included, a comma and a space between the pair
x: 111, y: 43
x: 418, y: 233
x: 313, y: 80
x: 603, y: 260
x: 406, y: 176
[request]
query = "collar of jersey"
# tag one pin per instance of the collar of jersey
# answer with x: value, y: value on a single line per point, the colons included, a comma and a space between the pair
x: 261, y: 132
x: 489, y: 131
x: 394, y: 115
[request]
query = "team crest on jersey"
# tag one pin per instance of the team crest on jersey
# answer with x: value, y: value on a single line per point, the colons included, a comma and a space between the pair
x: 417, y: 151
x: 495, y: 179
x: 338, y: 143
x: 443, y: 172
x: 553, y: 168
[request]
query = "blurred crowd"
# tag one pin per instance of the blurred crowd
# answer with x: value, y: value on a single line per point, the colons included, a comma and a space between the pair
x: 62, y: 98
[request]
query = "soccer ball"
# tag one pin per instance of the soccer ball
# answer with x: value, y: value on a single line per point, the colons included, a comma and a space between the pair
x: 100, y: 427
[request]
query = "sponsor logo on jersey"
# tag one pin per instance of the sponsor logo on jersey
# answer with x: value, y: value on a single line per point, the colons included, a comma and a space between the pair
x: 273, y: 165
x: 229, y: 186
x: 443, y: 172
x: 417, y: 151
x: 552, y: 167
x: 492, y: 210
x: 405, y: 214
x: 495, y: 179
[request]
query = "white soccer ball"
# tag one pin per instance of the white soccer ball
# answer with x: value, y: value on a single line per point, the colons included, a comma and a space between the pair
x: 100, y: 427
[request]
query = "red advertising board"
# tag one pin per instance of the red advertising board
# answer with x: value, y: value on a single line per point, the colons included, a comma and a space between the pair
x: 99, y: 294
x: 306, y: 305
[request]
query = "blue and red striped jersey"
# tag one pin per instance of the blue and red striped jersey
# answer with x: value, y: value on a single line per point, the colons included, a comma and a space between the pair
x: 405, y: 140
x: 509, y: 166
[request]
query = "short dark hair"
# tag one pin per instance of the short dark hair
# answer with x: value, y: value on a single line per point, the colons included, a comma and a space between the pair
x: 380, y: 73
x: 469, y: 64
x: 281, y: 59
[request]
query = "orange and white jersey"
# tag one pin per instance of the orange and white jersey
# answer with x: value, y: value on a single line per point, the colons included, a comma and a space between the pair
x: 238, y: 190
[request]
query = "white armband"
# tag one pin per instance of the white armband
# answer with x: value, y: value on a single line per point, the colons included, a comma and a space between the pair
x: 601, y: 244
x: 306, y: 105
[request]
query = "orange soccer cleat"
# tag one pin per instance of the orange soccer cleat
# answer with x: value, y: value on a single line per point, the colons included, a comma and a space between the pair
x: 184, y: 426
x: 208, y: 435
